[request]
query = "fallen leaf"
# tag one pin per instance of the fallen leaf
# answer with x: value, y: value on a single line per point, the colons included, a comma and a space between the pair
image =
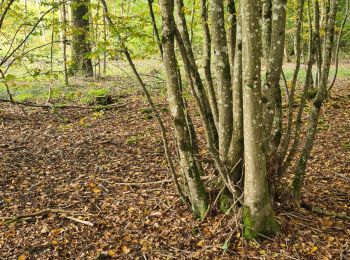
x: 96, y: 190
x: 125, y: 250
x: 156, y: 214
x: 313, y: 249
x: 22, y: 257
x: 111, y: 253
x: 262, y: 252
x: 200, y: 243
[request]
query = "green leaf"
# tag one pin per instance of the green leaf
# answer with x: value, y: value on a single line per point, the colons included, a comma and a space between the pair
x: 10, y: 77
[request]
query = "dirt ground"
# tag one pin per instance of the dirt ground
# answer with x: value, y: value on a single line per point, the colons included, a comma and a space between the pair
x: 80, y: 161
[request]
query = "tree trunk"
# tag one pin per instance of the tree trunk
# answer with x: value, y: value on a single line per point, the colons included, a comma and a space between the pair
x: 207, y: 62
x: 223, y: 76
x: 198, y: 195
x: 63, y: 39
x: 81, y: 63
x: 258, y: 216
x: 318, y: 101
x: 271, y: 90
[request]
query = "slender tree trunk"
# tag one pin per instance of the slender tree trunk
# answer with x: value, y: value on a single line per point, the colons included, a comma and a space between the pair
x: 155, y: 28
x: 193, y: 12
x: 266, y: 28
x: 318, y: 101
x: 63, y: 39
x: 337, y: 48
x: 104, y: 43
x: 81, y: 47
x: 297, y: 51
x: 307, y: 85
x: 258, y: 216
x: 236, y: 146
x: 198, y: 195
x: 271, y: 90
x: 223, y: 77
x: 193, y: 75
x: 231, y: 32
x: 278, y: 37
x: 207, y: 63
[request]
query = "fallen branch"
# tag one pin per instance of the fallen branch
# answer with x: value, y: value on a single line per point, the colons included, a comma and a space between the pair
x: 28, y: 104
x: 325, y: 212
x: 81, y: 221
x: 141, y: 183
x: 40, y: 213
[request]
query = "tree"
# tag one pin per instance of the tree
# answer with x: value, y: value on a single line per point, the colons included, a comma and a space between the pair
x: 243, y: 117
x: 81, y: 63
x: 258, y: 215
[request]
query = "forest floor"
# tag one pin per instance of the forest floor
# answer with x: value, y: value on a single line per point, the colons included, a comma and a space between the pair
x: 82, y: 162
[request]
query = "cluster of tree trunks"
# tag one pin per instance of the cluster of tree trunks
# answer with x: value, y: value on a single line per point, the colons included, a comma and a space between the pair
x: 241, y: 108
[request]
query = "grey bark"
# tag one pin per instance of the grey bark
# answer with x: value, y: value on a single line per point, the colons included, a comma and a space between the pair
x: 272, y: 109
x: 318, y: 101
x: 198, y: 195
x: 258, y: 216
x: 63, y: 38
x: 223, y: 76
x: 207, y: 62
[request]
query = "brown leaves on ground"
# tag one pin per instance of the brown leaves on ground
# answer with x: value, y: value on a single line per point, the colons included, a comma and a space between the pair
x: 73, y: 160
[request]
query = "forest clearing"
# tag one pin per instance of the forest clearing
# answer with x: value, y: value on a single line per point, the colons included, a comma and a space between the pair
x: 174, y: 129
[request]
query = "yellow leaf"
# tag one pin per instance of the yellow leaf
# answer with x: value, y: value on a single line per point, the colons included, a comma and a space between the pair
x: 96, y: 190
x: 125, y: 250
x: 56, y: 231
x: 330, y: 239
x: 313, y: 249
x: 111, y: 253
x: 22, y: 257
x: 200, y: 243
x: 262, y: 252
x: 54, y: 242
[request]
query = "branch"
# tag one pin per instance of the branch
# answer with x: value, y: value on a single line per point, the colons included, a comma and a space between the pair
x: 40, y: 213
x: 26, y: 52
x: 347, y: 12
x: 27, y: 36
x: 7, y: 8
x: 325, y: 212
x: 28, y: 104
x: 141, y: 183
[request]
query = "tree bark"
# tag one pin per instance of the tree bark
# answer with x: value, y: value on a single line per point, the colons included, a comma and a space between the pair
x: 198, y: 195
x: 223, y: 76
x: 272, y: 109
x: 81, y: 63
x: 207, y: 62
x: 258, y: 216
x: 318, y: 101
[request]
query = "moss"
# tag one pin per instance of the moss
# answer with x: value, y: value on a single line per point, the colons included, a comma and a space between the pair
x: 248, y: 224
x: 269, y: 226
x: 146, y: 110
x: 226, y: 201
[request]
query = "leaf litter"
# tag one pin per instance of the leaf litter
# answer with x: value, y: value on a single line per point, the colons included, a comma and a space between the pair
x: 81, y: 161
